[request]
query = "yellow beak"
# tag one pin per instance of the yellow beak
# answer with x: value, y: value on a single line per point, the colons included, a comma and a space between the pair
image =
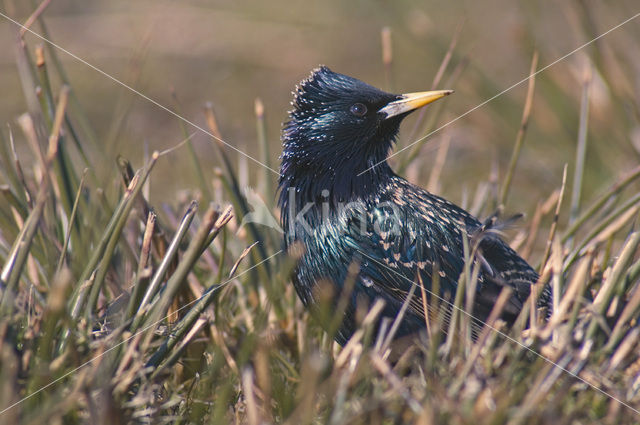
x: 411, y: 101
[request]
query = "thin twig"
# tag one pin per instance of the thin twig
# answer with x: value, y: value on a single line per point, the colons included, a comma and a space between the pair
x: 521, y: 132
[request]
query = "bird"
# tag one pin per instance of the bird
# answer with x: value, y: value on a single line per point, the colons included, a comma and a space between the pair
x: 342, y: 203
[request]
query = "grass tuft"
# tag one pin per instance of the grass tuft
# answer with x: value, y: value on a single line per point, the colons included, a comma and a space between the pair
x: 116, y: 308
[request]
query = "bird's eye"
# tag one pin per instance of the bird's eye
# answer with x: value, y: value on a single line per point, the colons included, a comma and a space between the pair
x: 358, y: 109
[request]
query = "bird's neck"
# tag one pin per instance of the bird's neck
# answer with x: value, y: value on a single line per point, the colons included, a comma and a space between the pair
x: 303, y: 186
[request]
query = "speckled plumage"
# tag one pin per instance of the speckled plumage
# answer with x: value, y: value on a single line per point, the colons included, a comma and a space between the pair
x: 393, y: 229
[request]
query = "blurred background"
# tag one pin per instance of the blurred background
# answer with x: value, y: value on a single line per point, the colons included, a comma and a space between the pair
x: 184, y: 54
x: 583, y: 113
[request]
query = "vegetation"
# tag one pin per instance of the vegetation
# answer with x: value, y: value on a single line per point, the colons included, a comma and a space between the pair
x: 116, y: 310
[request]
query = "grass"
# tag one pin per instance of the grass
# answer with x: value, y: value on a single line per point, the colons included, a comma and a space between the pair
x: 114, y: 310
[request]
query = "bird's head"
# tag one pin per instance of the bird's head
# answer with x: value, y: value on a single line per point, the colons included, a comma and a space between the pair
x: 340, y: 126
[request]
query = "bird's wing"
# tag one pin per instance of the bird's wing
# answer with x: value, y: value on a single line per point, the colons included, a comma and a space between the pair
x: 508, y: 268
x: 393, y: 249
x: 427, y: 237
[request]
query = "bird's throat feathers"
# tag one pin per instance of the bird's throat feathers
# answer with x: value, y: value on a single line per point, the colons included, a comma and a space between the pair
x: 334, y: 174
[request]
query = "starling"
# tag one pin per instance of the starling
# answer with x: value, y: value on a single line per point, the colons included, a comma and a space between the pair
x: 342, y: 202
